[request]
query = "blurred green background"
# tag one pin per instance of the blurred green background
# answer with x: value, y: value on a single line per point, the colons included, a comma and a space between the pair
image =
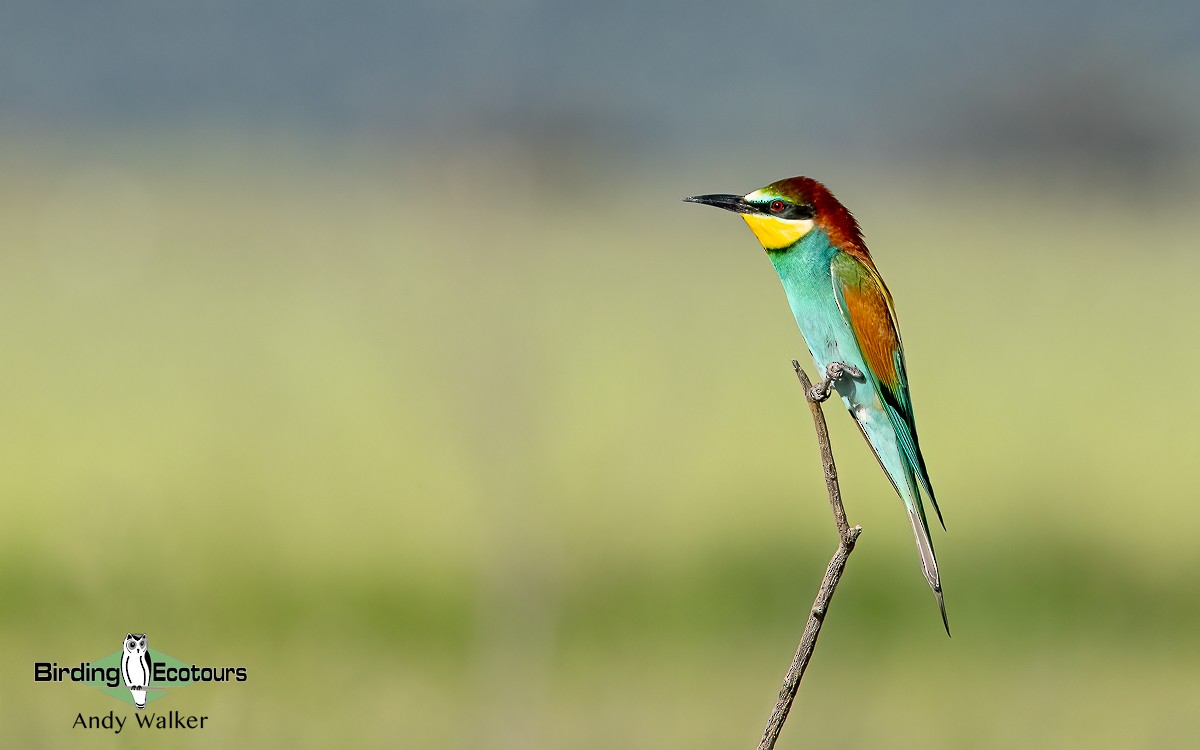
x: 369, y: 347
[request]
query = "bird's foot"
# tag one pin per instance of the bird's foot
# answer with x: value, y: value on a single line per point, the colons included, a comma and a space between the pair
x: 839, y: 370
x: 834, y: 371
x: 819, y: 393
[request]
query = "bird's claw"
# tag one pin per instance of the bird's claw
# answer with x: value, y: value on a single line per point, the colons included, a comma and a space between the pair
x: 834, y: 372
x: 838, y: 370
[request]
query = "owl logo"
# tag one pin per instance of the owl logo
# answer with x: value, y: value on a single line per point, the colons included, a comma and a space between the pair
x: 136, y: 667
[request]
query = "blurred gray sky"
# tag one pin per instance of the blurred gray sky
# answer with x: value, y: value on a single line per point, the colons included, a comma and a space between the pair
x: 1104, y: 84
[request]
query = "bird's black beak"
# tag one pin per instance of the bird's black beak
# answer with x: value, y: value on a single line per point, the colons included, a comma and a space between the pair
x: 733, y: 203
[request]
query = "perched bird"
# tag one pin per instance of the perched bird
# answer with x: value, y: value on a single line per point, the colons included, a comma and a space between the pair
x: 846, y: 316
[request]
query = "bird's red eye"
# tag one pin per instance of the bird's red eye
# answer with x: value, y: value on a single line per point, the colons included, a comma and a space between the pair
x: 776, y: 207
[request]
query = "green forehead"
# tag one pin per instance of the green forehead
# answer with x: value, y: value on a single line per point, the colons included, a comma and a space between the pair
x: 762, y: 196
x: 772, y: 192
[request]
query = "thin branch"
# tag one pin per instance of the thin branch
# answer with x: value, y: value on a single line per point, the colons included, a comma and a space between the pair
x: 847, y: 536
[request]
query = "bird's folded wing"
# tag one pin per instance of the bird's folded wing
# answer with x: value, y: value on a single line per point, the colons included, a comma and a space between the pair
x: 867, y: 305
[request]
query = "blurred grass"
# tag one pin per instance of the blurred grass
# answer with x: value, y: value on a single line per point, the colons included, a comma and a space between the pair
x: 448, y: 457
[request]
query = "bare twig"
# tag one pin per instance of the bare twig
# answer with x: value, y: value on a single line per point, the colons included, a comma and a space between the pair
x: 847, y: 536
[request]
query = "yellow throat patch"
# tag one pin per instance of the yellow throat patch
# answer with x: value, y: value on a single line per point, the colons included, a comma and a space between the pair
x: 776, y: 234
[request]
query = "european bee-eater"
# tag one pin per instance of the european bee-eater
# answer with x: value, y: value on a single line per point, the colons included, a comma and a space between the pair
x: 845, y: 314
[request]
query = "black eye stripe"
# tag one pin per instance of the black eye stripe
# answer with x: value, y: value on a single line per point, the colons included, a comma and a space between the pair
x: 790, y: 211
